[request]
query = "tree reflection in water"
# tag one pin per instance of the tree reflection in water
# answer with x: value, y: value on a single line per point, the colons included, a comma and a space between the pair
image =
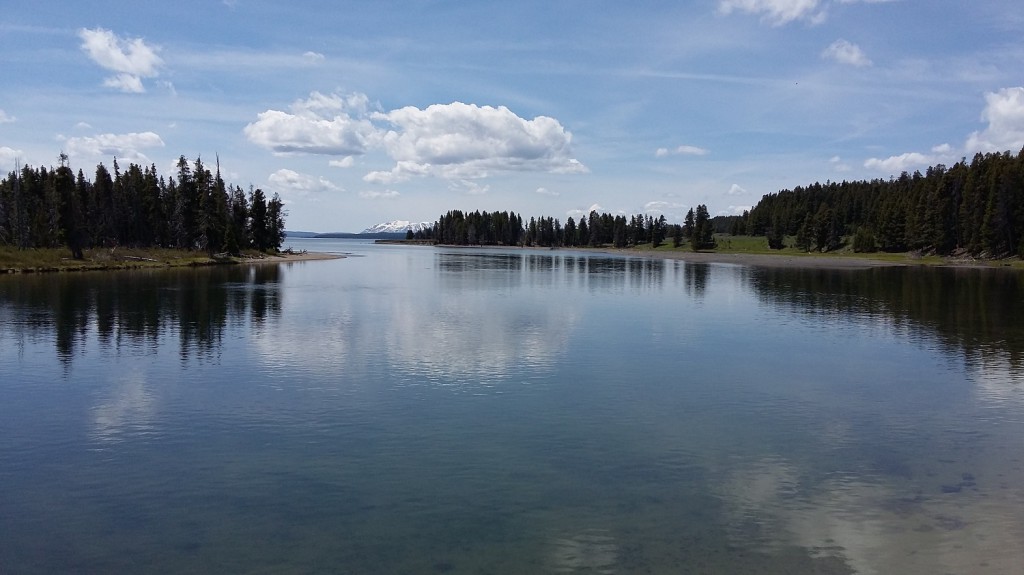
x: 137, y: 309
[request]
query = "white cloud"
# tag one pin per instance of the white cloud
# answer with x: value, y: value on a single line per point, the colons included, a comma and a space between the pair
x: 317, y: 103
x: 8, y: 156
x: 132, y: 59
x: 546, y: 192
x: 1004, y: 112
x: 776, y: 12
x: 673, y: 211
x: 460, y: 140
x: 839, y: 165
x: 735, y: 190
x: 470, y: 187
x: 901, y: 163
x: 847, y: 53
x: 5, y: 119
x: 124, y: 147
x: 319, y: 125
x: 400, y: 173
x: 313, y: 57
x: 125, y: 83
x: 681, y: 151
x: 734, y: 211
x: 300, y: 184
x: 450, y: 141
x: 577, y: 214
x: 346, y: 162
x: 375, y: 195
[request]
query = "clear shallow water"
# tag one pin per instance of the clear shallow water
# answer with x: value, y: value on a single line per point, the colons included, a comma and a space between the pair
x: 420, y: 410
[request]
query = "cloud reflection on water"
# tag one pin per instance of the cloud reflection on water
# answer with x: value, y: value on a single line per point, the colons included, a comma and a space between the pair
x: 126, y: 408
x: 878, y: 527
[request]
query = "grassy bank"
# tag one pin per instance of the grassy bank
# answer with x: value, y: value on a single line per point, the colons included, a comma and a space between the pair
x: 13, y: 260
x: 754, y: 249
x: 758, y: 246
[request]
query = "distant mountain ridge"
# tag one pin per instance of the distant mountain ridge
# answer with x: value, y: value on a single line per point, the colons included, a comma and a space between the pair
x: 397, y: 226
x: 387, y: 230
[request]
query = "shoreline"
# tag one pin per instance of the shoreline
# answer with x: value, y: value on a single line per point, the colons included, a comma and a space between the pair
x: 140, y: 259
x: 821, y: 261
x: 837, y: 261
x: 291, y: 257
x: 811, y: 261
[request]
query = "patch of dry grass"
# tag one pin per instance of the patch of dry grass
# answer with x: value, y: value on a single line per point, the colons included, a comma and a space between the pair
x: 13, y: 260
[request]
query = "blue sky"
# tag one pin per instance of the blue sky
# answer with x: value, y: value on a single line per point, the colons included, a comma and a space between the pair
x: 362, y: 112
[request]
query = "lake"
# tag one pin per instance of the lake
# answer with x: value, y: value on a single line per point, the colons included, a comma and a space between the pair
x: 428, y: 410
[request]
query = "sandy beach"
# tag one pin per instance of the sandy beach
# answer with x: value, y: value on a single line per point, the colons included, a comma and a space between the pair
x: 291, y: 257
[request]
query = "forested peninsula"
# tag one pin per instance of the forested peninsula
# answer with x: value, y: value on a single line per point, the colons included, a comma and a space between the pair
x: 971, y: 209
x: 134, y: 208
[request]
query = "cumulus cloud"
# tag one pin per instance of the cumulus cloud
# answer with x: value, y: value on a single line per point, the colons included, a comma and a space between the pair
x: 9, y: 155
x: 1004, y: 112
x: 346, y: 162
x: 546, y: 192
x: 585, y: 213
x: 294, y: 183
x: 454, y: 141
x: 5, y: 118
x: 776, y: 12
x: 460, y: 140
x: 401, y: 172
x: 680, y: 151
x: 845, y: 52
x: 131, y: 59
x: 121, y: 146
x: 313, y: 57
x: 379, y: 195
x: 322, y: 124
x: 735, y: 190
x: 910, y: 160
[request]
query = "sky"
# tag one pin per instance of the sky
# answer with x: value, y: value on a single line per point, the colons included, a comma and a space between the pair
x: 358, y: 113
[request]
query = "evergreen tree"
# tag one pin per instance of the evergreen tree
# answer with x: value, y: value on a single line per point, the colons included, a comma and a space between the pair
x: 657, y: 231
x: 70, y: 209
x: 804, y: 233
x: 703, y: 230
x: 259, y: 226
x: 275, y: 223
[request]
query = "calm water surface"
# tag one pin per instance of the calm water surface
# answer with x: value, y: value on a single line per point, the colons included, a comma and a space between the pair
x: 421, y: 410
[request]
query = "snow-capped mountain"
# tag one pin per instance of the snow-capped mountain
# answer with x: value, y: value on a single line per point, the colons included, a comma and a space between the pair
x: 397, y: 226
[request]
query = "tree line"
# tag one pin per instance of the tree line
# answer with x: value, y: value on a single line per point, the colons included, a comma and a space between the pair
x: 597, y: 229
x: 974, y: 207
x: 193, y: 210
